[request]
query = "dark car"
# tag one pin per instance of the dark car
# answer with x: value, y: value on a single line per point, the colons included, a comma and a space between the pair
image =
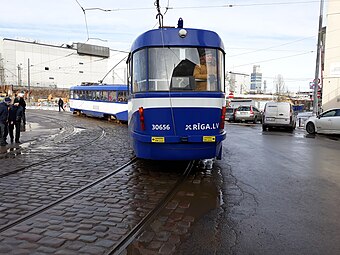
x: 230, y: 114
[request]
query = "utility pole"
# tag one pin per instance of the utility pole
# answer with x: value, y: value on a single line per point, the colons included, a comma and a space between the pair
x: 29, y: 80
x: 2, y: 72
x: 19, y: 75
x: 317, y: 63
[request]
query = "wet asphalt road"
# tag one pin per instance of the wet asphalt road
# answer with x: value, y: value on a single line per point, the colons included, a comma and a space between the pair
x: 280, y: 195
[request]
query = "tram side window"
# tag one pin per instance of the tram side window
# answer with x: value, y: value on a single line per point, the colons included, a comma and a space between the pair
x: 113, y: 96
x: 105, y: 95
x: 221, y: 77
x: 139, y: 71
x: 92, y: 95
x: 88, y: 95
x: 76, y: 94
x: 98, y: 95
x: 122, y: 96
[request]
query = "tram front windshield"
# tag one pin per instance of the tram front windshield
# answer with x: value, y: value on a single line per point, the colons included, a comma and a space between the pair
x: 178, y: 69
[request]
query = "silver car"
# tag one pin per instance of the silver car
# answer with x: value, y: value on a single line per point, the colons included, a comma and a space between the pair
x: 248, y: 113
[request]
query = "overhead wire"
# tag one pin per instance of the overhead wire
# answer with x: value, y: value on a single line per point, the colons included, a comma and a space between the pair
x: 84, y: 12
x: 160, y: 20
x: 206, y: 6
x: 273, y: 59
x: 272, y: 47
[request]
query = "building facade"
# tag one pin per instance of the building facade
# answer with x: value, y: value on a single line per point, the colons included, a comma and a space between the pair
x: 255, y: 80
x: 331, y: 73
x: 43, y: 65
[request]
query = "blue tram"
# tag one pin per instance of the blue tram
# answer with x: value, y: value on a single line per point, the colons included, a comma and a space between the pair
x: 177, y: 107
x: 105, y: 101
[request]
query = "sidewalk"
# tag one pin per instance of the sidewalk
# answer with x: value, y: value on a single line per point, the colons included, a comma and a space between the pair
x: 36, y: 129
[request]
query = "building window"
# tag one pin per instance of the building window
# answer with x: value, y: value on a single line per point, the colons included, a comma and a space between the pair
x: 81, y: 63
x: 81, y: 71
x: 47, y: 68
x: 51, y: 78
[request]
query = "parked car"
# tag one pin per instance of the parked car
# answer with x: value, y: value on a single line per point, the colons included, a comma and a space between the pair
x: 327, y: 123
x: 248, y: 113
x: 278, y: 115
x: 230, y: 114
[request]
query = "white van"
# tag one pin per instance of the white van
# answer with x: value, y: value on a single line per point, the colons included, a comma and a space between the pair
x: 278, y: 114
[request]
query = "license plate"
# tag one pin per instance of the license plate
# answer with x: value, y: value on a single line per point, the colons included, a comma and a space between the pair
x: 157, y: 139
x: 227, y: 118
x: 270, y: 119
x: 209, y: 139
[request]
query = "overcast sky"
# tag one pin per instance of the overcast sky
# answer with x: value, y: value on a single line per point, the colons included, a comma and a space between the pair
x: 278, y: 35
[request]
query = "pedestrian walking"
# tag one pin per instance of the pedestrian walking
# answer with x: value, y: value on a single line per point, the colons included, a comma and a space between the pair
x: 4, y: 121
x: 14, y: 120
x: 61, y: 104
x: 22, y: 103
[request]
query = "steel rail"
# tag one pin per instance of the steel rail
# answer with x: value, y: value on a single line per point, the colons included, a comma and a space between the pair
x: 60, y: 200
x: 130, y: 237
x: 57, y: 156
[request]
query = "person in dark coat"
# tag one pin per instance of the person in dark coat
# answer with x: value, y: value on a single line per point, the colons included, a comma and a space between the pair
x: 4, y: 121
x: 15, y: 116
x: 22, y: 103
x: 61, y: 104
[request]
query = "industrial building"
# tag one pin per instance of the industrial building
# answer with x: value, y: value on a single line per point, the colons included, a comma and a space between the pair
x: 33, y: 64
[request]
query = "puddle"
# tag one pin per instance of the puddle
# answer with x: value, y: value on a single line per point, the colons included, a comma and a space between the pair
x: 78, y: 130
x: 30, y: 126
x: 10, y: 151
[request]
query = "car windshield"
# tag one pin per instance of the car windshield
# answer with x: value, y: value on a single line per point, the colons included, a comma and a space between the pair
x: 178, y: 69
x: 230, y: 110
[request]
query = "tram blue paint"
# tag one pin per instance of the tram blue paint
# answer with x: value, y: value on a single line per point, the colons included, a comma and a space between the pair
x: 169, y: 122
x: 169, y: 37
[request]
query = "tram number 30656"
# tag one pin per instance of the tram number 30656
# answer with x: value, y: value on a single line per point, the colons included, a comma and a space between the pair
x: 160, y: 126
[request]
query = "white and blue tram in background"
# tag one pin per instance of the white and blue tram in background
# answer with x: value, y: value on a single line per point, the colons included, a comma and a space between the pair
x: 175, y: 113
x: 104, y: 101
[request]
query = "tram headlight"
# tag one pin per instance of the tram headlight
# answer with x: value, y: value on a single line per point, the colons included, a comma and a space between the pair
x: 182, y: 33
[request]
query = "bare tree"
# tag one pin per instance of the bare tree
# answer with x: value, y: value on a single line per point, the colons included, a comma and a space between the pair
x: 280, y: 87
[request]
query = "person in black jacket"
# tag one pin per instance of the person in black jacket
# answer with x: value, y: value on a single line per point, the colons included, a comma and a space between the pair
x: 4, y: 121
x: 22, y: 103
x: 16, y: 112
x: 61, y: 104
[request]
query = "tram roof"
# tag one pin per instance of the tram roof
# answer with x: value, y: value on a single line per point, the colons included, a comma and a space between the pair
x: 170, y: 37
x: 101, y: 87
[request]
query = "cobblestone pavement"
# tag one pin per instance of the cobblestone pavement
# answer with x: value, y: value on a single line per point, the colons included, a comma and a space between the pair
x: 95, y: 221
x: 196, y: 196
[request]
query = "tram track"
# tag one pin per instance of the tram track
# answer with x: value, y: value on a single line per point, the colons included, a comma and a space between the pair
x: 76, y: 192
x: 145, y: 222
x: 62, y: 212
x: 49, y: 178
x: 53, y: 142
